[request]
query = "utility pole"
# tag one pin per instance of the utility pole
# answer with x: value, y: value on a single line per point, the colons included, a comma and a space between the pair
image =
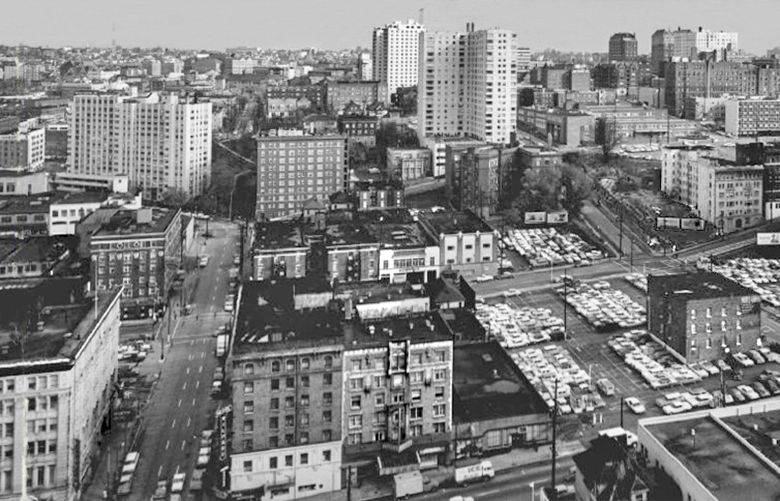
x: 565, y: 306
x: 554, y: 431
x: 621, y: 411
x: 620, y: 244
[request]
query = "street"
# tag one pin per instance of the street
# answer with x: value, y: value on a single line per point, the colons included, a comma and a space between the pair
x: 182, y: 404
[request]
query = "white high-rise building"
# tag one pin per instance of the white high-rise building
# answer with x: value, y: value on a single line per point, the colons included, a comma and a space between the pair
x: 468, y: 85
x: 160, y: 142
x: 365, y: 67
x: 395, y: 53
x: 707, y: 41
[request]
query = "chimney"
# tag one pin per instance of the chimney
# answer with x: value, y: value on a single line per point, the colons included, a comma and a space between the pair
x: 348, y: 308
x: 143, y: 215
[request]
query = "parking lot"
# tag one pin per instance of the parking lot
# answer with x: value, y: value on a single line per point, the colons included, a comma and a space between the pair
x: 590, y: 351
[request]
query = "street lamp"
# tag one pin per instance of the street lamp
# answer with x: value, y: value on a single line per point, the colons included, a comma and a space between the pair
x: 533, y: 492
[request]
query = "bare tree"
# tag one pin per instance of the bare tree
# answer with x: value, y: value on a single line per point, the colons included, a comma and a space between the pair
x: 606, y: 137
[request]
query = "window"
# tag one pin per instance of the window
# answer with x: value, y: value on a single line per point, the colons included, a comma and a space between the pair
x: 274, y: 403
x: 31, y: 383
x: 709, y: 312
x: 439, y: 410
x: 249, y: 369
x: 249, y: 425
x: 276, y: 366
x: 439, y: 375
x: 273, y: 441
x: 328, y: 362
x: 304, y: 400
x: 356, y: 421
x: 289, y: 402
x: 274, y: 384
x: 289, y: 382
x: 440, y: 356
x: 327, y: 435
x: 31, y: 404
x: 439, y: 427
x: 416, y: 413
x: 693, y: 329
x: 356, y: 383
x: 304, y: 458
x: 327, y: 416
x: 304, y: 437
x: 357, y: 364
x: 379, y: 399
x: 273, y: 463
x: 273, y: 423
x: 326, y: 456
x: 438, y: 392
x: 416, y: 395
x: 288, y: 460
x: 290, y: 365
x: 354, y: 402
x: 327, y: 379
x: 289, y: 420
x: 305, y: 363
x: 416, y: 377
x: 327, y: 398
x: 305, y: 381
x: 249, y: 386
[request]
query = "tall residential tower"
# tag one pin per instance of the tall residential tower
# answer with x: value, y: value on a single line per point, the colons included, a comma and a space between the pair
x: 395, y: 55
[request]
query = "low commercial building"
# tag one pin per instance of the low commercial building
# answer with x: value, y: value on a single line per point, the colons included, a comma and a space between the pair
x: 58, y: 376
x: 140, y: 250
x: 567, y: 128
x: 24, y: 216
x: 633, y: 121
x: 609, y: 467
x: 437, y: 145
x: 74, y: 182
x: 752, y: 117
x: 466, y: 243
x: 280, y: 251
x: 34, y: 257
x: 538, y: 156
x: 23, y: 182
x: 703, y: 315
x: 286, y: 378
x: 717, y: 454
x: 495, y: 407
x: 407, y: 164
x: 66, y: 211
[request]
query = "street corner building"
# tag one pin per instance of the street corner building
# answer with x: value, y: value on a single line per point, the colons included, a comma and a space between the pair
x: 58, y: 370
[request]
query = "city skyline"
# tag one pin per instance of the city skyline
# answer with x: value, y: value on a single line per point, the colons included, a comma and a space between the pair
x: 298, y: 24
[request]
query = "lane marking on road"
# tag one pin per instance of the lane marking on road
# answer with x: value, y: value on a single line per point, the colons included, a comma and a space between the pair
x: 192, y: 342
x: 202, y: 354
x: 193, y: 402
x: 188, y: 422
x: 200, y: 369
x: 188, y: 370
x: 189, y: 357
x: 197, y: 384
x: 179, y: 403
x: 183, y: 444
x: 184, y: 386
x: 173, y: 424
x: 159, y: 471
x: 487, y: 493
x: 167, y: 444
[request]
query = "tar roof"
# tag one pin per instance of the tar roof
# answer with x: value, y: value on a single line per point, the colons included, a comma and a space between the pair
x: 720, y: 462
x: 419, y: 328
x: 759, y: 429
x: 454, y: 222
x: 24, y: 205
x: 124, y: 222
x: 379, y: 291
x: 697, y: 285
x: 81, y: 197
x: 278, y: 235
x: 31, y: 250
x: 488, y: 385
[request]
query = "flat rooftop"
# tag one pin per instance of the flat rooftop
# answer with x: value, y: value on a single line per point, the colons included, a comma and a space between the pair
x: 267, y: 318
x: 488, y: 385
x: 124, y: 222
x: 420, y: 328
x: 698, y: 285
x: 30, y: 250
x: 81, y: 198
x: 448, y: 222
x: 721, y: 463
x: 278, y: 235
x: 348, y: 233
x: 768, y: 427
x: 25, y: 205
x: 379, y: 291
x: 400, y: 235
x: 59, y: 333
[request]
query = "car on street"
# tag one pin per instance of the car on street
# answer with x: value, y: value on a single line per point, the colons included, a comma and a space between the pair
x: 636, y: 406
x: 605, y: 387
x: 196, y: 482
x: 216, y: 387
x: 177, y: 484
x: 228, y: 306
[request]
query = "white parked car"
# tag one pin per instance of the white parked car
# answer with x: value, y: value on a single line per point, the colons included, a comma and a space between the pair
x: 177, y: 484
x: 636, y: 406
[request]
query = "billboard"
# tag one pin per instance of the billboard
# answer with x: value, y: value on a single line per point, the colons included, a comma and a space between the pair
x: 535, y: 217
x: 677, y: 223
x: 692, y: 223
x: 558, y: 217
x: 767, y: 238
x: 667, y: 222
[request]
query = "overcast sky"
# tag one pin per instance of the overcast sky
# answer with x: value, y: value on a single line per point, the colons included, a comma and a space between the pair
x: 217, y: 24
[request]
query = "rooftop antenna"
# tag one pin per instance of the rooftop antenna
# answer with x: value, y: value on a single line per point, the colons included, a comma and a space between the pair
x: 421, y: 15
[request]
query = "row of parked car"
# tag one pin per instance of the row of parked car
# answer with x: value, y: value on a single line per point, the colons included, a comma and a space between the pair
x: 759, y: 274
x: 638, y: 280
x: 543, y: 366
x: 135, y: 351
x: 177, y: 483
x: 603, y: 307
x: 518, y: 327
x: 545, y: 246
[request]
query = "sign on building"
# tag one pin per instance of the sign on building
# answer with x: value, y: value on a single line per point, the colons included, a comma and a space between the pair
x: 692, y: 223
x: 767, y: 238
x: 558, y: 217
x: 667, y: 222
x: 535, y: 217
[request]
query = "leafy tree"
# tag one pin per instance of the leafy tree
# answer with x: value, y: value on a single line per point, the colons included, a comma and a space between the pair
x: 173, y: 197
x: 390, y: 135
x: 550, y: 188
x: 577, y: 187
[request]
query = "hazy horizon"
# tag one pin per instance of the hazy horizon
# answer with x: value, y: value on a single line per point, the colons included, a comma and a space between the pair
x: 566, y: 25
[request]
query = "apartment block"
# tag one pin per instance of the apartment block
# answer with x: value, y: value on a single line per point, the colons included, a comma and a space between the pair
x: 708, y: 79
x: 768, y: 155
x: 362, y: 93
x: 139, y: 250
x: 23, y: 150
x: 293, y: 168
x: 680, y: 172
x: 287, y: 392
x: 623, y: 47
x: 730, y: 196
x: 752, y: 117
x: 466, y: 243
x: 56, y: 387
x: 703, y: 315
x: 407, y: 164
x: 468, y: 85
x: 395, y: 55
x: 161, y: 142
x: 279, y: 251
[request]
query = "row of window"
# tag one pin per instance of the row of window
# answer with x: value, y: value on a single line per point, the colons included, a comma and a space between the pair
x: 33, y: 383
x: 303, y: 460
